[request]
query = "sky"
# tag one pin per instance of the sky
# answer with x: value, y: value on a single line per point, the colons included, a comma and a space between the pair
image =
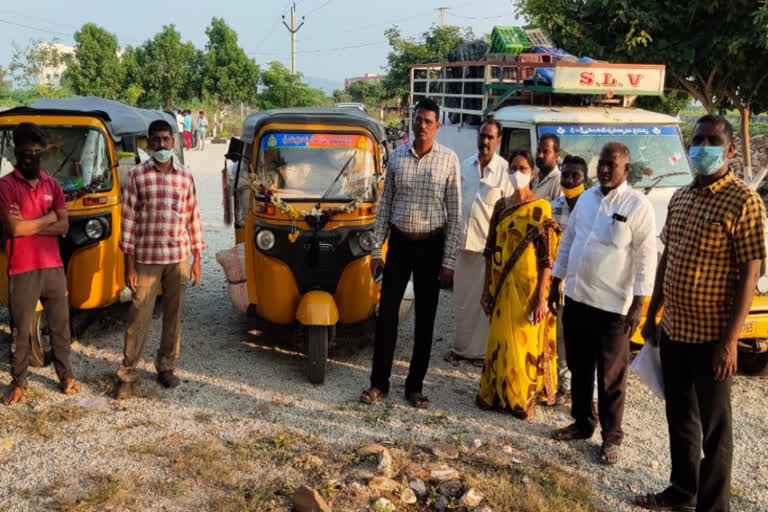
x: 340, y: 38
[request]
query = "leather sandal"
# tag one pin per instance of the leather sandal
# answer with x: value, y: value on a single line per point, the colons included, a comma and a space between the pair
x: 417, y: 400
x: 570, y: 433
x: 371, y: 396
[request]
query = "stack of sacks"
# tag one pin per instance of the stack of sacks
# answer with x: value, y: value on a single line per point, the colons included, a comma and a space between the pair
x: 233, y: 262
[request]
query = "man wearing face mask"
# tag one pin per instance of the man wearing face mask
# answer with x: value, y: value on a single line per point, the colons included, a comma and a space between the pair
x: 607, y: 257
x: 714, y: 243
x: 573, y: 178
x: 34, y: 214
x: 160, y: 227
x: 484, y: 180
x: 546, y: 183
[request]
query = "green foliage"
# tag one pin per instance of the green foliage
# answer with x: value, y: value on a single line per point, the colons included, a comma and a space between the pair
x: 339, y: 96
x: 672, y: 102
x: 283, y: 89
x: 229, y: 74
x: 165, y: 66
x: 369, y: 93
x: 28, y: 61
x: 433, y: 47
x: 96, y: 69
x: 5, y: 79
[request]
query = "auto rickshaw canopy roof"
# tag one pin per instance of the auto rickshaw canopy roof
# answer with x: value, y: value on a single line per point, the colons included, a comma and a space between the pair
x: 313, y: 115
x: 120, y: 120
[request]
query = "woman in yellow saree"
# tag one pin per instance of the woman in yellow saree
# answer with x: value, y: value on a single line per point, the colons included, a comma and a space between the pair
x: 520, y: 363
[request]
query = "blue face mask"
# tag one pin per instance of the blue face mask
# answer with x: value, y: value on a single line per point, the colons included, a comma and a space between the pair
x: 161, y: 155
x: 707, y: 160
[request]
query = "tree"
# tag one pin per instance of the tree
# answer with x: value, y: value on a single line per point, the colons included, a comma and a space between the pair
x: 283, y: 89
x: 228, y: 73
x: 166, y: 65
x: 340, y: 96
x: 434, y: 47
x: 28, y: 62
x: 5, y: 81
x: 711, y: 48
x: 95, y: 69
x: 369, y: 93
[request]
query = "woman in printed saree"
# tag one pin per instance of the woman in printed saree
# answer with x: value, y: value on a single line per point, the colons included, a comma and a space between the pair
x: 520, y: 364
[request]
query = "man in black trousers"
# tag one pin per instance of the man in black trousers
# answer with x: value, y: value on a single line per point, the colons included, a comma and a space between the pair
x: 420, y: 210
x: 714, y: 244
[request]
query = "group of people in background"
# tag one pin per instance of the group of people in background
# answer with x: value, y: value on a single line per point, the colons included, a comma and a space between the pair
x: 550, y: 279
x: 193, y: 128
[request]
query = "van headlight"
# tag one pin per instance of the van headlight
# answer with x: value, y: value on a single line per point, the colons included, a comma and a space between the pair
x: 762, y: 284
x: 265, y: 239
x: 94, y: 229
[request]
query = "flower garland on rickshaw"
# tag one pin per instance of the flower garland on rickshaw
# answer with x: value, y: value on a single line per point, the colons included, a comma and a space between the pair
x: 269, y: 195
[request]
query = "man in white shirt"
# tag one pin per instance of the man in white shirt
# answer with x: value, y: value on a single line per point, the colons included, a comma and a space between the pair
x: 607, y: 257
x: 484, y: 180
x: 546, y: 182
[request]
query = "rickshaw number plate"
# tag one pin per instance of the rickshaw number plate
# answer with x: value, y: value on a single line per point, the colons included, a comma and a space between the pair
x: 749, y: 327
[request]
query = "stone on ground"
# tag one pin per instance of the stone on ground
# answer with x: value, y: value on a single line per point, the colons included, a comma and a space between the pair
x: 408, y: 497
x: 418, y: 486
x: 381, y: 483
x: 383, y: 505
x: 306, y: 499
x: 471, y: 498
x: 445, y: 450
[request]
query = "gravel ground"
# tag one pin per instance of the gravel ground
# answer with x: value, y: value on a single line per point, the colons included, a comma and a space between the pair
x: 239, y: 377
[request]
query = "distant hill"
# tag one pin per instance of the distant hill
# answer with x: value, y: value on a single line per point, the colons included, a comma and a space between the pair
x: 324, y: 84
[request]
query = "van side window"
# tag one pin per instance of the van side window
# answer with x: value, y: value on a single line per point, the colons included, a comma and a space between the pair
x: 514, y: 139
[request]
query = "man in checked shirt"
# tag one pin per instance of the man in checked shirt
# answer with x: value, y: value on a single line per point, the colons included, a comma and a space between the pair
x: 714, y: 243
x: 160, y: 227
x: 420, y: 210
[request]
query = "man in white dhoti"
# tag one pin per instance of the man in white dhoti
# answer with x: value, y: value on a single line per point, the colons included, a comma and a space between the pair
x: 484, y: 180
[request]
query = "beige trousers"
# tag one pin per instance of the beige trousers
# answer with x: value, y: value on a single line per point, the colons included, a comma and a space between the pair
x: 174, y: 279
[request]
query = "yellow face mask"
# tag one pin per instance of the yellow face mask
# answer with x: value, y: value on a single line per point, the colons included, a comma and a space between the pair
x: 571, y: 193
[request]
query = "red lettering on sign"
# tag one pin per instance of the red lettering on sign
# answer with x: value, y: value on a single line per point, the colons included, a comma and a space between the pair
x: 586, y: 78
x: 634, y: 78
x: 608, y: 80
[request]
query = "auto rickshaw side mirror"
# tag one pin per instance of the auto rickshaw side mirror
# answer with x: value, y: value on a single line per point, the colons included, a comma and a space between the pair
x: 236, y: 149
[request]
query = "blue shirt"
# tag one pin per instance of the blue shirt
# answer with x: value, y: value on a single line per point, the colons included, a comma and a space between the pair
x: 187, y: 123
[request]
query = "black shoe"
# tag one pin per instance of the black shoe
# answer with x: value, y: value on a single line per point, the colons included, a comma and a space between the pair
x: 168, y: 379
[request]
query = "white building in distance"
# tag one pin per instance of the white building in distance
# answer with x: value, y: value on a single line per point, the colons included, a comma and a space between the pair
x: 50, y: 72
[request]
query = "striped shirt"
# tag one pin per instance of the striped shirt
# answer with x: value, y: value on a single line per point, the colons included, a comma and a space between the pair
x: 161, y: 218
x: 421, y: 195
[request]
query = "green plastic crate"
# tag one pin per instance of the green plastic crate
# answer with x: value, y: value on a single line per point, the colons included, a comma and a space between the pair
x: 509, y: 40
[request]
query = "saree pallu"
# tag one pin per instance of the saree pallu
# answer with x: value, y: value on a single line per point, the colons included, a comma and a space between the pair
x: 521, y: 361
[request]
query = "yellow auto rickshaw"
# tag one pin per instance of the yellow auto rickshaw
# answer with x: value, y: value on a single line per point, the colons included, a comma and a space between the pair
x: 90, y: 143
x: 308, y: 233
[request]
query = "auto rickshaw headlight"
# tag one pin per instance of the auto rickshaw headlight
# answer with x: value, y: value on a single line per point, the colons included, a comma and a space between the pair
x: 94, y: 229
x: 365, y: 239
x: 762, y: 284
x: 265, y: 239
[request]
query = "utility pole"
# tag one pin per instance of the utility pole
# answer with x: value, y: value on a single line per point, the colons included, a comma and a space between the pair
x: 442, y: 15
x: 293, y: 29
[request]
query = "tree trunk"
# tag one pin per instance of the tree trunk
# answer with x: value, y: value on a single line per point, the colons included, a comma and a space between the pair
x: 746, y: 143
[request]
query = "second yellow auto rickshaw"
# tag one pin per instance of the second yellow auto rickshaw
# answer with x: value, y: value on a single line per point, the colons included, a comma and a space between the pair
x: 89, y: 142
x: 308, y: 233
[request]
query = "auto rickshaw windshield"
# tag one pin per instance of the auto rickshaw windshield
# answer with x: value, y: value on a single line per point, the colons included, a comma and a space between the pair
x: 76, y: 156
x: 299, y: 166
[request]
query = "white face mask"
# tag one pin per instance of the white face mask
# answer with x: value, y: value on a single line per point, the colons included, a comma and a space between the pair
x: 520, y: 180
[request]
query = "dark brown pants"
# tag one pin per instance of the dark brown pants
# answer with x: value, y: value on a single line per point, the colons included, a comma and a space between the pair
x: 596, y: 338
x: 26, y: 288
x: 699, y: 417
x: 174, y: 280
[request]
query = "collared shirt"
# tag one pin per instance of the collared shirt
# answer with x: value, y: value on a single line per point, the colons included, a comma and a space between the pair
x: 421, y: 195
x: 34, y: 252
x: 478, y: 198
x: 549, y: 186
x: 710, y: 231
x: 608, y: 252
x: 161, y: 218
x: 561, y: 212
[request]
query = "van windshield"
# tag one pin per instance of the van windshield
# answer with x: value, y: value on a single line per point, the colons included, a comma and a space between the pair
x: 341, y: 167
x: 658, y: 155
x: 76, y: 156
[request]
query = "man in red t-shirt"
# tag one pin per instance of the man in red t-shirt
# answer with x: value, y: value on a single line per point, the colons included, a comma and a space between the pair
x: 34, y: 214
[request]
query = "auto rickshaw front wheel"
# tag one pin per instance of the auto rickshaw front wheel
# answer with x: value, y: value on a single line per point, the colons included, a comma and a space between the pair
x: 317, y: 339
x: 40, y: 339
